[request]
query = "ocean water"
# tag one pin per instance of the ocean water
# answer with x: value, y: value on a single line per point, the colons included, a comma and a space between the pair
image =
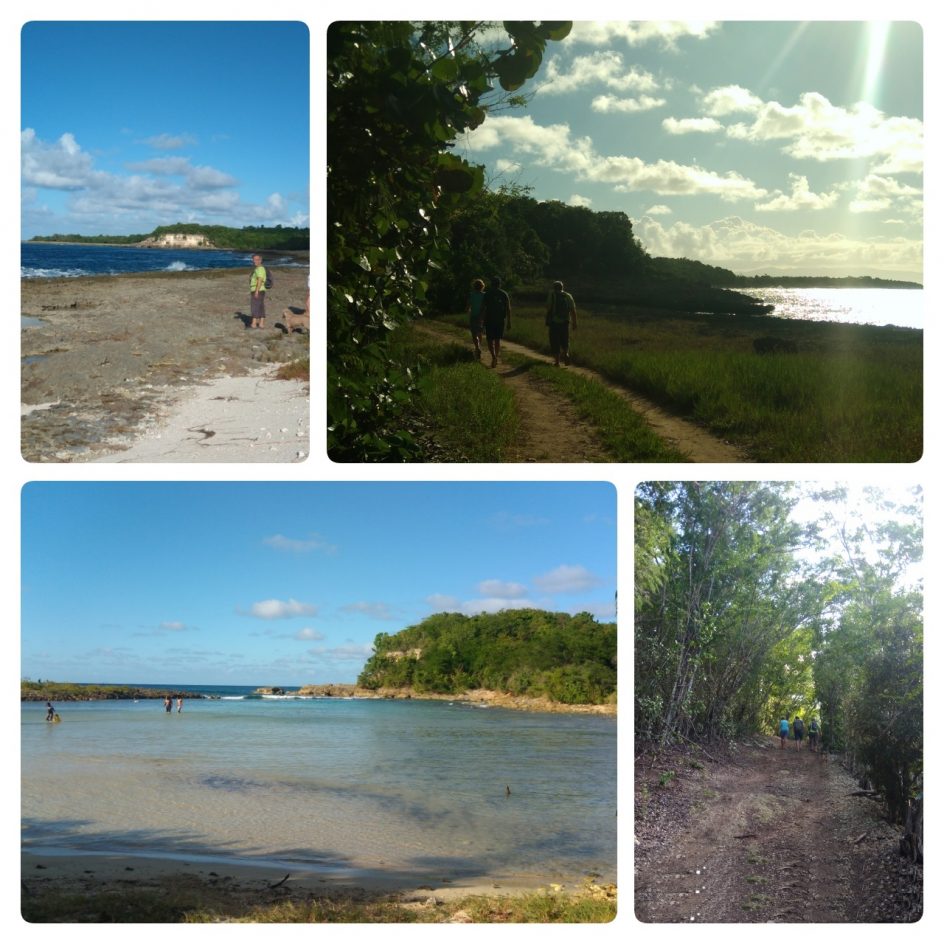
x: 413, y: 789
x: 876, y: 306
x: 55, y: 260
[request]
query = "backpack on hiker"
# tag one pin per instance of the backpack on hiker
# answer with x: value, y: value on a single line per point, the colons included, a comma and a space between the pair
x: 494, y: 305
x: 269, y: 281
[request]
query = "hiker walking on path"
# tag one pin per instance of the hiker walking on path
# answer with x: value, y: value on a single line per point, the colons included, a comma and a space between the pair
x: 474, y: 311
x: 798, y: 730
x: 814, y: 734
x: 561, y: 317
x: 784, y: 732
x: 257, y: 290
x: 496, y: 306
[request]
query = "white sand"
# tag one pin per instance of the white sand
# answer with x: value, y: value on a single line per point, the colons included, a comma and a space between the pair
x: 232, y: 419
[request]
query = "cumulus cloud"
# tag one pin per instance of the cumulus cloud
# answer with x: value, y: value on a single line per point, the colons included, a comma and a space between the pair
x: 374, y: 610
x: 281, y: 609
x: 578, y: 201
x: 160, y: 188
x: 553, y: 146
x: 690, y: 125
x: 744, y: 246
x: 658, y: 209
x: 800, y: 198
x: 815, y: 129
x: 568, y: 578
x: 503, y: 589
x: 598, y: 68
x: 443, y: 603
x: 299, y: 545
x: 310, y: 635
x: 607, y: 104
x: 876, y: 194
x: 665, y: 34
x: 59, y: 166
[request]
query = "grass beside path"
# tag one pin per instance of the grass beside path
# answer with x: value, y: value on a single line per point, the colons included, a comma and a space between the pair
x: 466, y: 412
x: 852, y: 393
x: 624, y: 433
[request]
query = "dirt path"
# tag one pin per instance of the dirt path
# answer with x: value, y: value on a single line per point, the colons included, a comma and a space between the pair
x: 551, y: 430
x: 771, y: 836
x: 689, y: 439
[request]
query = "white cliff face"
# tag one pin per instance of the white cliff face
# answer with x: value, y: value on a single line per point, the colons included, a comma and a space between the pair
x: 178, y: 241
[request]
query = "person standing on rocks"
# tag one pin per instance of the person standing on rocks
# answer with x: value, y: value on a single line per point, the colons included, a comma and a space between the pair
x: 561, y: 317
x: 257, y: 290
x: 496, y: 306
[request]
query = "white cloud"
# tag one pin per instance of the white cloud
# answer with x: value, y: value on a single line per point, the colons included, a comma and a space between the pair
x: 607, y: 104
x: 173, y: 626
x: 568, y: 578
x: 374, y: 610
x: 666, y: 34
x: 659, y: 209
x: 443, y: 603
x: 309, y: 634
x: 815, y: 129
x: 729, y: 99
x: 59, y: 166
x: 690, y: 125
x: 800, y: 198
x: 281, y: 609
x: 299, y: 545
x: 162, y: 188
x: 553, y: 146
x: 503, y: 589
x: 578, y: 201
x: 598, y: 68
x: 876, y: 193
x: 748, y: 247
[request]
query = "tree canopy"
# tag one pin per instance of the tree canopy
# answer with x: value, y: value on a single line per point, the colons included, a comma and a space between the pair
x: 399, y: 94
x: 571, y: 659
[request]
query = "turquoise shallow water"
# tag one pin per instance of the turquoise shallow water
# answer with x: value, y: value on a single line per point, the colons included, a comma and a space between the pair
x: 411, y: 788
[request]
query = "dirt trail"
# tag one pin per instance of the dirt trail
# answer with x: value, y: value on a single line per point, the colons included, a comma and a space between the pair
x: 551, y: 430
x: 691, y: 440
x: 773, y: 836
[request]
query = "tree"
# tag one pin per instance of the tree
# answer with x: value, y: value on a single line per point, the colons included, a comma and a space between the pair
x: 399, y: 93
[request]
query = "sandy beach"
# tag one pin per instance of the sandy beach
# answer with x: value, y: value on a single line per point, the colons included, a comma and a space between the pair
x: 160, y: 368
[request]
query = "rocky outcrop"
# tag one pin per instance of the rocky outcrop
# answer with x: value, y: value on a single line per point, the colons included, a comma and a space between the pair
x: 177, y: 241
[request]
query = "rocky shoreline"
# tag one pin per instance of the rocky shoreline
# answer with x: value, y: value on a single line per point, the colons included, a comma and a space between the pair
x: 105, y: 358
x: 479, y: 696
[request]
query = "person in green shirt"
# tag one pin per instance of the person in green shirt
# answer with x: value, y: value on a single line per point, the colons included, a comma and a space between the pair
x: 257, y: 293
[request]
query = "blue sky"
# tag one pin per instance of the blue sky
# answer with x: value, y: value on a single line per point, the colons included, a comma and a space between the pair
x: 262, y: 583
x: 129, y: 125
x: 780, y: 147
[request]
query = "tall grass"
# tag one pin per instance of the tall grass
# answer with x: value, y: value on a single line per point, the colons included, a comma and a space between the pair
x: 465, y: 410
x: 852, y: 394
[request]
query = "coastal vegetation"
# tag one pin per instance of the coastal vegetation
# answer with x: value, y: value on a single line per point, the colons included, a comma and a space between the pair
x: 569, y: 659
x: 850, y: 392
x: 45, y: 690
x: 222, y: 237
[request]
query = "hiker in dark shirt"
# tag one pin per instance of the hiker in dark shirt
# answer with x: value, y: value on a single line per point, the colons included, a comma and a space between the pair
x: 496, y: 308
x: 561, y: 317
x: 798, y: 730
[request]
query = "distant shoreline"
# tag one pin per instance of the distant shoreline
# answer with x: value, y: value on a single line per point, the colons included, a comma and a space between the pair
x: 483, y: 697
